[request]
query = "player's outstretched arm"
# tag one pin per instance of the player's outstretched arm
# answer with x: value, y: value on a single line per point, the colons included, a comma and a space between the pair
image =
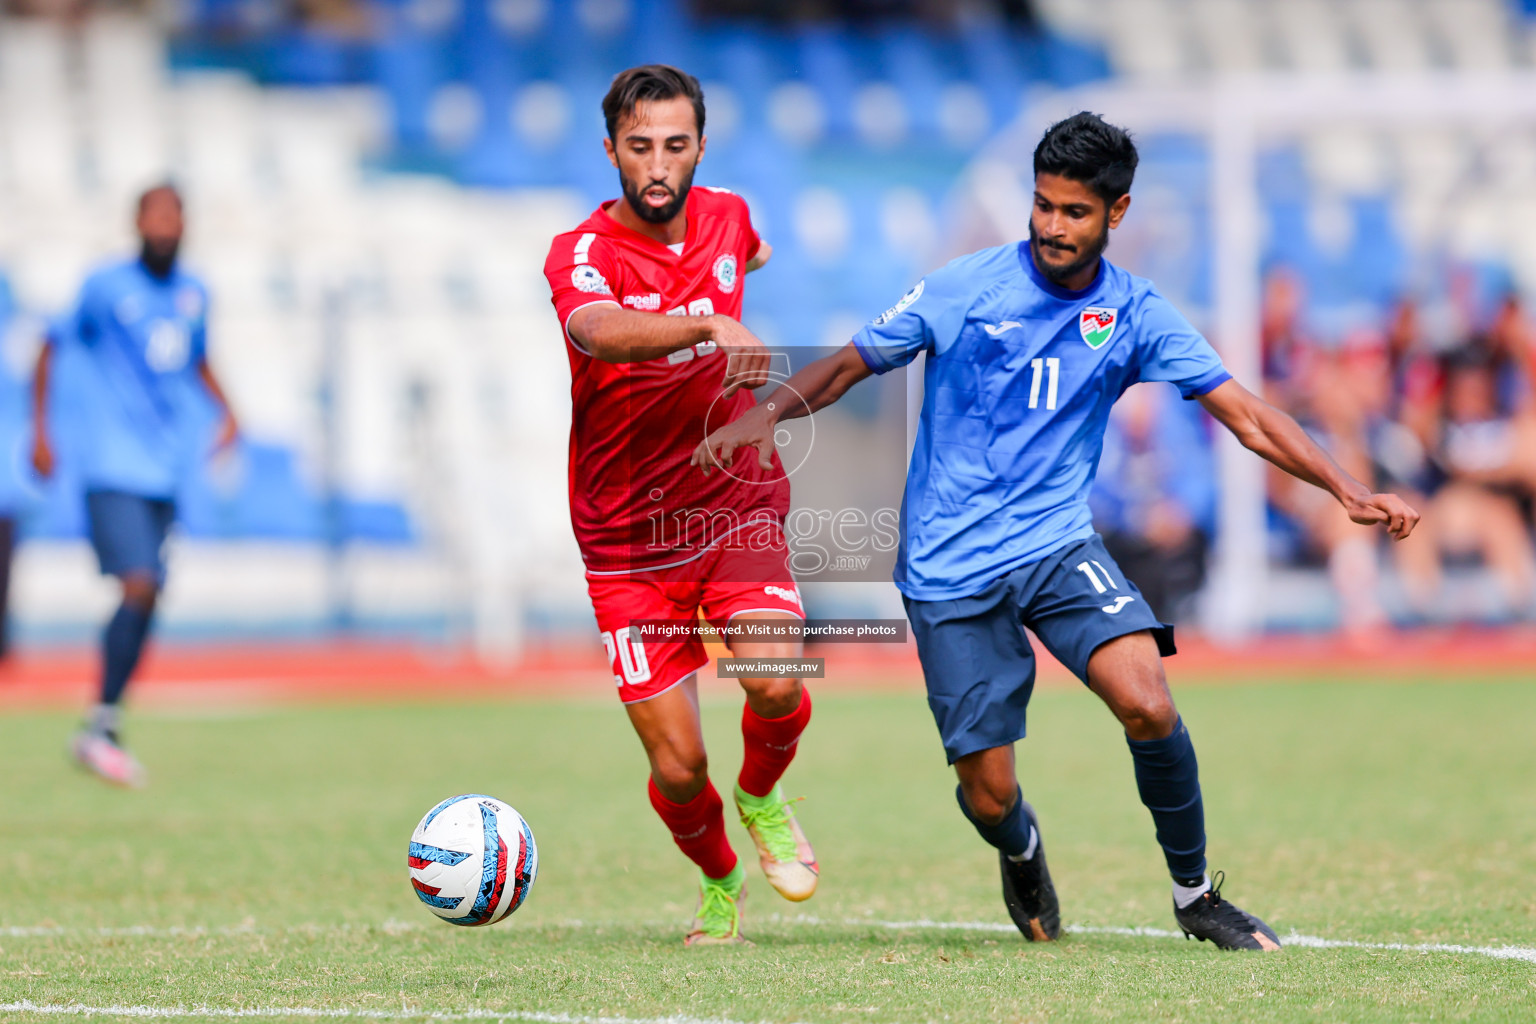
x: 618, y: 335
x: 1266, y: 431
x: 815, y: 387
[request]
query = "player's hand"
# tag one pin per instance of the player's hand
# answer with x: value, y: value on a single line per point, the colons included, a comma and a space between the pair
x: 42, y: 456
x: 754, y: 429
x: 1399, y: 517
x: 747, y: 359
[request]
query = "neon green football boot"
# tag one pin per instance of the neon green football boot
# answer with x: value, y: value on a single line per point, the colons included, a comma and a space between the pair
x: 718, y: 921
x: 782, y: 849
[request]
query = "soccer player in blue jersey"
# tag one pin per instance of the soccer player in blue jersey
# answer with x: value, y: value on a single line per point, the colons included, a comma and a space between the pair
x: 1028, y: 345
x: 142, y: 327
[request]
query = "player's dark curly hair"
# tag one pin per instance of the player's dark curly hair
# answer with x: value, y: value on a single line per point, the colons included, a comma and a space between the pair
x: 1086, y: 148
x: 650, y: 82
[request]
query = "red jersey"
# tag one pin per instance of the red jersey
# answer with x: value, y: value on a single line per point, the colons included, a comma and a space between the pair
x: 636, y: 503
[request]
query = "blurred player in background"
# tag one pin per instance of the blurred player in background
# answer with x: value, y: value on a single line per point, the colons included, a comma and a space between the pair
x: 648, y: 290
x: 1028, y: 346
x: 142, y: 326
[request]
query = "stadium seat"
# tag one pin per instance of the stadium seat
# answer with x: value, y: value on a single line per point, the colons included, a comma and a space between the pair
x: 1310, y: 35
x: 1393, y: 33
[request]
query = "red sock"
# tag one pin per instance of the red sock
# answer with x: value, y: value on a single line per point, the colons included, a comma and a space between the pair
x: 698, y: 827
x: 769, y: 745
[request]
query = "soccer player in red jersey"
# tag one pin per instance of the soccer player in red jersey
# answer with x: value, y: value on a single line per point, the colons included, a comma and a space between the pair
x: 648, y: 290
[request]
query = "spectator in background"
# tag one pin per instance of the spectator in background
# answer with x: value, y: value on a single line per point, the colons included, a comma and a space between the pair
x: 1480, y: 460
x: 1338, y: 396
x: 1508, y: 345
x: 1155, y: 499
x: 1288, y: 354
x: 1414, y: 371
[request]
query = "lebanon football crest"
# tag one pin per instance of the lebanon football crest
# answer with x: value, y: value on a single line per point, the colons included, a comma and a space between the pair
x: 1097, y: 325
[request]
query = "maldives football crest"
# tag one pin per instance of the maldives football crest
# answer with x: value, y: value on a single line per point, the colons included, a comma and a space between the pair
x: 1097, y: 325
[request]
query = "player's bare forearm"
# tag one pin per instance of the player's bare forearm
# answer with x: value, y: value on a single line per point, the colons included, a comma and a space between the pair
x: 42, y: 450
x: 229, y: 430
x: 815, y: 387
x: 40, y: 376
x: 211, y: 382
x: 618, y: 335
x: 1276, y: 437
x: 760, y: 258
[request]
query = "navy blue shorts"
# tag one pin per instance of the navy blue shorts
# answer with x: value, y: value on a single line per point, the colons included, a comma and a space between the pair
x: 129, y: 531
x: 977, y: 660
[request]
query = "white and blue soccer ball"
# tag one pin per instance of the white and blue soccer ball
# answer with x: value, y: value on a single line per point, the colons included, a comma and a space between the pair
x: 473, y: 860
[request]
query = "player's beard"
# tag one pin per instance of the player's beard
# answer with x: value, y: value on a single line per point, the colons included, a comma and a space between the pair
x: 1085, y: 257
x: 656, y: 214
x: 159, y: 258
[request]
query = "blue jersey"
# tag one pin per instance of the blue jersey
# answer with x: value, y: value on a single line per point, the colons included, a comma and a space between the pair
x: 1020, y: 377
x: 142, y: 338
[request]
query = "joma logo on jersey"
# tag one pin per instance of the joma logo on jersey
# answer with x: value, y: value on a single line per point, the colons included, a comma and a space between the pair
x: 651, y: 302
x: 1097, y: 325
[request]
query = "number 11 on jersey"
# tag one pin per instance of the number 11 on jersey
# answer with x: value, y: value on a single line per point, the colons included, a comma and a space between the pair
x: 1038, y: 366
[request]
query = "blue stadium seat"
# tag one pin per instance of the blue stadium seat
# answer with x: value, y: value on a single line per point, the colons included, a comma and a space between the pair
x: 1376, y: 260
x: 912, y: 67
x: 828, y: 67
x: 1068, y: 63
x: 994, y: 69
x: 410, y: 67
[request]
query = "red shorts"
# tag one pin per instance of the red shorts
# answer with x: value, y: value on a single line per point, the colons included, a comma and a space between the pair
x: 724, y: 582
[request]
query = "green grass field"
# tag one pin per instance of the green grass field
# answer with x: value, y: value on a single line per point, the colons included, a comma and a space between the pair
x: 263, y: 871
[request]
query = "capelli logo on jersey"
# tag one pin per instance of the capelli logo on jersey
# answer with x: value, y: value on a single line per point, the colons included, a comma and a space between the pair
x: 649, y: 303
x: 784, y: 594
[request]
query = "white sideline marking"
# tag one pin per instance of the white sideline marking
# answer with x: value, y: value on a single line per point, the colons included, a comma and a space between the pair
x: 1526, y: 953
x: 162, y: 1012
x: 392, y: 927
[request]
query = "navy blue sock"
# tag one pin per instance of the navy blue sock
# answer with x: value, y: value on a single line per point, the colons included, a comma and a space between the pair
x: 121, y: 645
x: 1169, y: 781
x: 1014, y: 835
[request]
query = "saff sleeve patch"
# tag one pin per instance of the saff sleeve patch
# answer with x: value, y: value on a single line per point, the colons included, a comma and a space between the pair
x: 588, y: 278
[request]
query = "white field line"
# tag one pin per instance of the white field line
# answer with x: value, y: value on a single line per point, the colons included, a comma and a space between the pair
x: 317, y: 1012
x: 1523, y: 953
x: 1526, y: 953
